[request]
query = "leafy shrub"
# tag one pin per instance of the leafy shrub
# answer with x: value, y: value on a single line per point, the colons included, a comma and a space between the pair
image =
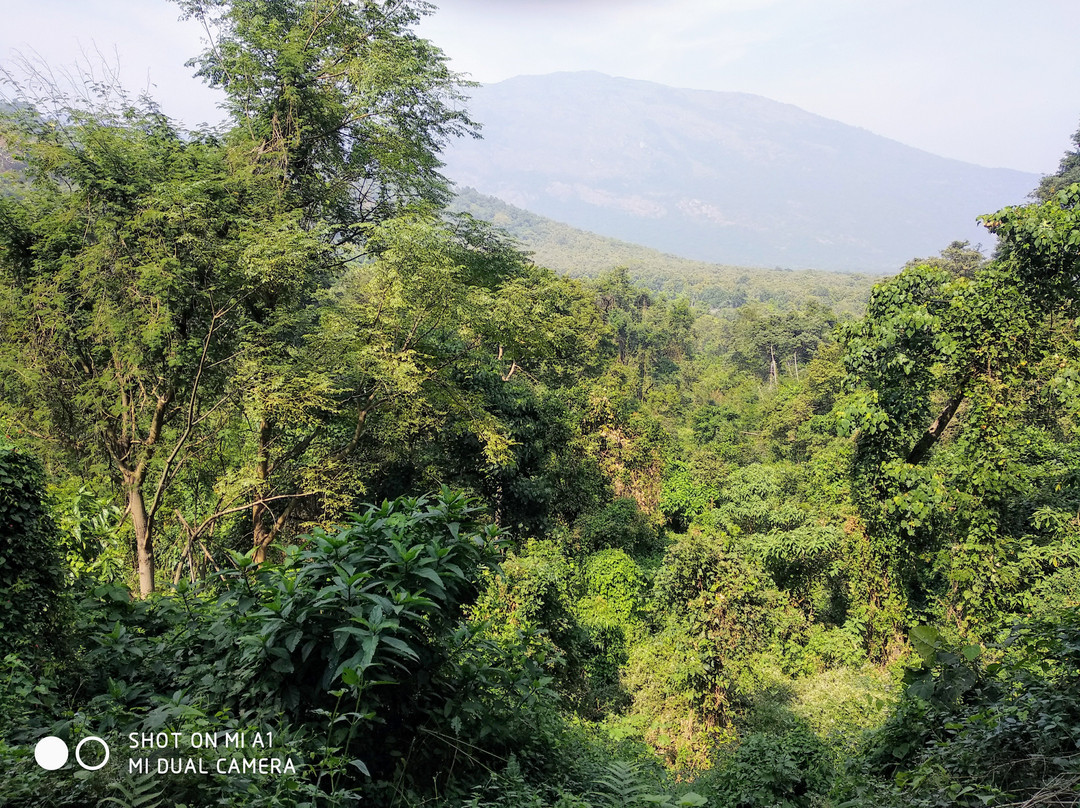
x: 619, y: 526
x: 791, y: 770
x: 709, y: 589
x: 614, y: 585
x: 31, y: 570
x: 795, y: 557
x: 757, y: 498
x: 690, y: 568
x: 822, y: 648
x: 729, y: 611
x: 533, y: 591
x: 973, y: 733
x: 532, y: 587
x: 687, y: 493
x: 837, y: 705
x: 662, y: 676
x: 609, y: 609
x: 356, y: 650
x: 366, y: 626
x: 89, y: 527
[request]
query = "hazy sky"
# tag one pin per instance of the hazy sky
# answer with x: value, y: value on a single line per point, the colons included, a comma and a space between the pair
x: 993, y: 82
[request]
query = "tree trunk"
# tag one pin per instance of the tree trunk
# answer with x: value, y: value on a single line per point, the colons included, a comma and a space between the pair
x: 266, y: 533
x: 144, y: 542
x: 930, y: 437
x: 263, y: 533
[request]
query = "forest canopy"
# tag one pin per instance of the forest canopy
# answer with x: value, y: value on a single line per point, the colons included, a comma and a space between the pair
x: 291, y: 449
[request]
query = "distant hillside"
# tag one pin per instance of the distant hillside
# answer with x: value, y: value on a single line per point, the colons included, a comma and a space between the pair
x: 724, y: 177
x: 582, y: 254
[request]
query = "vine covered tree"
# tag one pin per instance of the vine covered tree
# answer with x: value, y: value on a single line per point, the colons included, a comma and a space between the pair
x: 341, y: 97
x: 965, y: 414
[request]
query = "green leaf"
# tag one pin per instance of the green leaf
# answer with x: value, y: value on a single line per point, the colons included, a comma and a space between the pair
x: 926, y: 640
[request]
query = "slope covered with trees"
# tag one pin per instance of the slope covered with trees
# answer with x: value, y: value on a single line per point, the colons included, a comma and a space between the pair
x: 581, y: 254
x: 291, y: 451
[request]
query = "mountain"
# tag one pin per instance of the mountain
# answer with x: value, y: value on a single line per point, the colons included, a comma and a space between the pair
x: 579, y: 253
x: 722, y: 177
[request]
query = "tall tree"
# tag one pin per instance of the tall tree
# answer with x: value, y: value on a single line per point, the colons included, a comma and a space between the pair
x: 242, y: 309
x: 348, y: 108
x: 131, y: 292
x: 978, y: 370
x: 340, y: 95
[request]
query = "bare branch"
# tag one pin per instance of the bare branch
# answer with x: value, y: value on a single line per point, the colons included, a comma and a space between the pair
x: 930, y: 437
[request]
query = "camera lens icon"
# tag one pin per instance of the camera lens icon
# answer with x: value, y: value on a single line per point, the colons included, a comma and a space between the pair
x: 51, y: 753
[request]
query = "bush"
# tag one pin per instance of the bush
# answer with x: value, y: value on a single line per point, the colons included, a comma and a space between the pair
x: 614, y: 585
x: 791, y: 770
x: 618, y: 526
x: 31, y: 571
x: 662, y: 676
x: 972, y: 733
x: 356, y: 651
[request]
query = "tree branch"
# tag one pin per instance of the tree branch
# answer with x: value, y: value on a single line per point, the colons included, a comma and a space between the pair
x: 166, y: 472
x: 926, y: 442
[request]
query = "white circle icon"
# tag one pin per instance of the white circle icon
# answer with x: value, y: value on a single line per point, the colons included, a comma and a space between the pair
x: 51, y: 753
x: 78, y: 749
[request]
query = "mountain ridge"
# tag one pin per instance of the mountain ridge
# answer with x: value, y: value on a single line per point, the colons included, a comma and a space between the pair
x: 729, y: 177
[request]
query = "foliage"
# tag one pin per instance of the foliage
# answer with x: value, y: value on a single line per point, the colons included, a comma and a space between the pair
x: 619, y: 525
x: 131, y: 293
x: 970, y: 731
x: 140, y: 793
x: 662, y: 679
x: 361, y: 628
x: 89, y: 524
x: 687, y: 493
x: 991, y: 356
x: 346, y: 102
x: 789, y: 770
x: 535, y: 590
x: 31, y: 570
x: 618, y: 784
x: 613, y: 585
x: 763, y: 341
x: 837, y: 705
x: 668, y: 544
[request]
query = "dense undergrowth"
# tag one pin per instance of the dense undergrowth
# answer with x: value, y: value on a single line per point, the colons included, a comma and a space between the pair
x: 297, y: 461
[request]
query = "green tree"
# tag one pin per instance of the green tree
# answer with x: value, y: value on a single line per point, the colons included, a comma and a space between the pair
x: 965, y: 413
x: 342, y: 98
x: 769, y: 343
x: 31, y: 573
x: 349, y: 108
x: 650, y: 333
x: 243, y: 308
x: 136, y: 264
